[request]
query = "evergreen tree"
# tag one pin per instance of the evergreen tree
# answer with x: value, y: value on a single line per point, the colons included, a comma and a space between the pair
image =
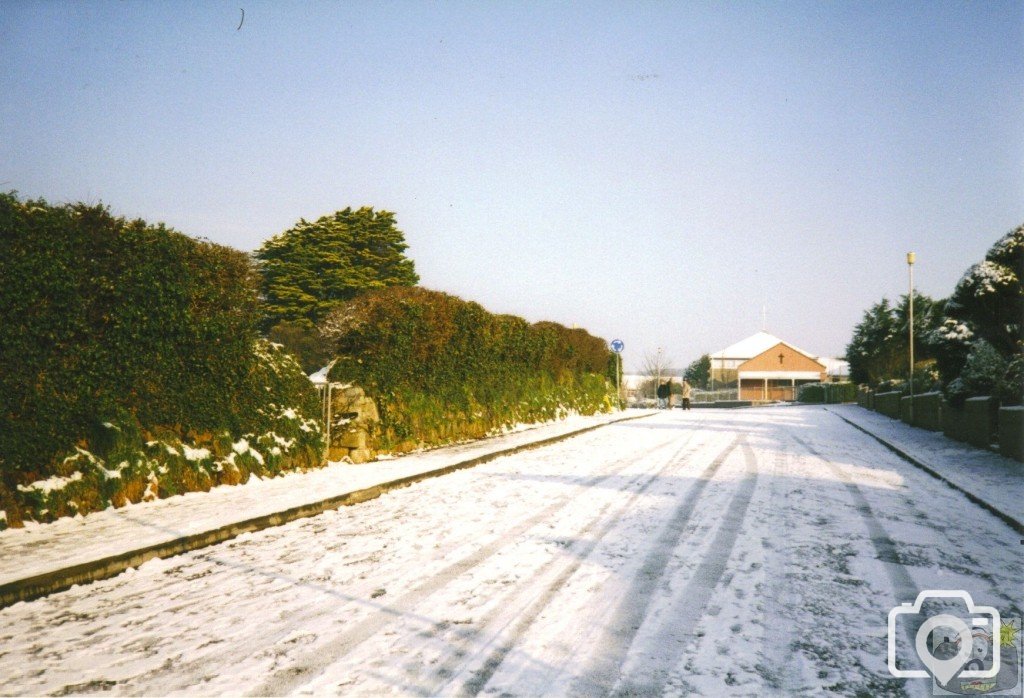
x: 304, y: 341
x: 698, y: 372
x: 314, y: 267
x: 951, y: 341
x: 982, y: 331
x: 982, y: 373
x: 879, y: 348
x: 874, y: 351
x: 990, y: 296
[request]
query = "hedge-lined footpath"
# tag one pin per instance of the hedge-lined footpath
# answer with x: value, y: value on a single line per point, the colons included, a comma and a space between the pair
x: 36, y: 561
x: 132, y: 367
x: 446, y: 370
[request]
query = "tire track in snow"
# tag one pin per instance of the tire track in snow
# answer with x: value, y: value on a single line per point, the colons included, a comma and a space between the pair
x: 903, y: 585
x: 688, y: 607
x: 1007, y: 519
x: 539, y: 601
x: 183, y: 675
x: 625, y: 621
x: 781, y: 600
x: 885, y: 547
x: 290, y: 678
x: 924, y: 483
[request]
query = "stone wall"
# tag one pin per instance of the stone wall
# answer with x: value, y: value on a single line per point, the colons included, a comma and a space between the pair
x: 907, y: 410
x: 866, y: 398
x: 928, y: 411
x: 888, y: 404
x: 954, y: 422
x: 979, y: 422
x: 924, y: 410
x: 981, y: 415
x: 1011, y: 432
x: 354, y: 419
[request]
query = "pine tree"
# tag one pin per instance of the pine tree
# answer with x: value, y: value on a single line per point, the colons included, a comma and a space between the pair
x: 698, y: 372
x: 875, y: 350
x: 990, y: 295
x: 984, y: 316
x: 879, y: 348
x: 314, y: 267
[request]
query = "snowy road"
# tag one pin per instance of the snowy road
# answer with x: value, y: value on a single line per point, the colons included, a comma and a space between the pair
x: 743, y: 552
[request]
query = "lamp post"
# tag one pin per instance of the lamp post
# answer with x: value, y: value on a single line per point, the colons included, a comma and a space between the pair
x: 657, y: 384
x: 910, y: 329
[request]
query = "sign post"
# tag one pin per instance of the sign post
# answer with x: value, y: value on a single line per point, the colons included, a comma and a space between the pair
x: 617, y: 346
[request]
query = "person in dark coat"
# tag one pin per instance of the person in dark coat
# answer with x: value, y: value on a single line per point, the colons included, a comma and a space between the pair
x: 663, y: 393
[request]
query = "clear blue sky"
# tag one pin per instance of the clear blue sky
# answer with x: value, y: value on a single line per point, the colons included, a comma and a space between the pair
x: 651, y: 171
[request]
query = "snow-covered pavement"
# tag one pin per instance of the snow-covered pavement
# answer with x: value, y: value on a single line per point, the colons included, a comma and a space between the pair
x: 42, y: 549
x: 711, y: 552
x: 994, y: 479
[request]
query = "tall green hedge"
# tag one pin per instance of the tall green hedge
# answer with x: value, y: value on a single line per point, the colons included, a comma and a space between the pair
x: 445, y: 369
x: 105, y: 319
x: 827, y: 393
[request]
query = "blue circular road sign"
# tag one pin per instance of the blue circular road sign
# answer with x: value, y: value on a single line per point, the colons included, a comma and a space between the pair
x: 618, y: 346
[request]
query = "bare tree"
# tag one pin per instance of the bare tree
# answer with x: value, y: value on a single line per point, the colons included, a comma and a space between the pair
x: 656, y: 366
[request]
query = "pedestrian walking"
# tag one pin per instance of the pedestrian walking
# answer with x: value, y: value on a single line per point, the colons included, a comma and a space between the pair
x: 687, y: 392
x: 663, y: 395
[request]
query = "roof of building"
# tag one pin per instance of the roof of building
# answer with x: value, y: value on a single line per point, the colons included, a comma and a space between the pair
x: 835, y: 367
x: 760, y: 342
x: 754, y: 345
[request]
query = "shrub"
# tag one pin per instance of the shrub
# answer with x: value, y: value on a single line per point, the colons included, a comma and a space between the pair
x: 827, y: 393
x: 1010, y: 389
x: 302, y: 340
x: 445, y: 369
x: 983, y: 370
x: 812, y: 393
x: 108, y: 321
x: 120, y: 461
x: 99, y: 313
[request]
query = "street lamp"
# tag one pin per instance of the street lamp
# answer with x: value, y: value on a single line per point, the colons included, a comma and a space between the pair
x: 910, y: 330
x: 657, y: 384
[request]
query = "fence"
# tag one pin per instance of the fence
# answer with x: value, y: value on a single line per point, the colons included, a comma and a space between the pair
x: 325, y: 391
x: 714, y: 395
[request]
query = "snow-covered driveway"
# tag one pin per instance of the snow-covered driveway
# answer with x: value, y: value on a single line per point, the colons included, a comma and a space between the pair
x: 710, y: 552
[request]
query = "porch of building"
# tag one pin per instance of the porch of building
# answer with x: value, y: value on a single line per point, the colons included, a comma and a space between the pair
x: 773, y: 387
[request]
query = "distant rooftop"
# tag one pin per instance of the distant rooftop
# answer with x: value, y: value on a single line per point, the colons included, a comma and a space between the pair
x: 835, y: 367
x: 754, y: 345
